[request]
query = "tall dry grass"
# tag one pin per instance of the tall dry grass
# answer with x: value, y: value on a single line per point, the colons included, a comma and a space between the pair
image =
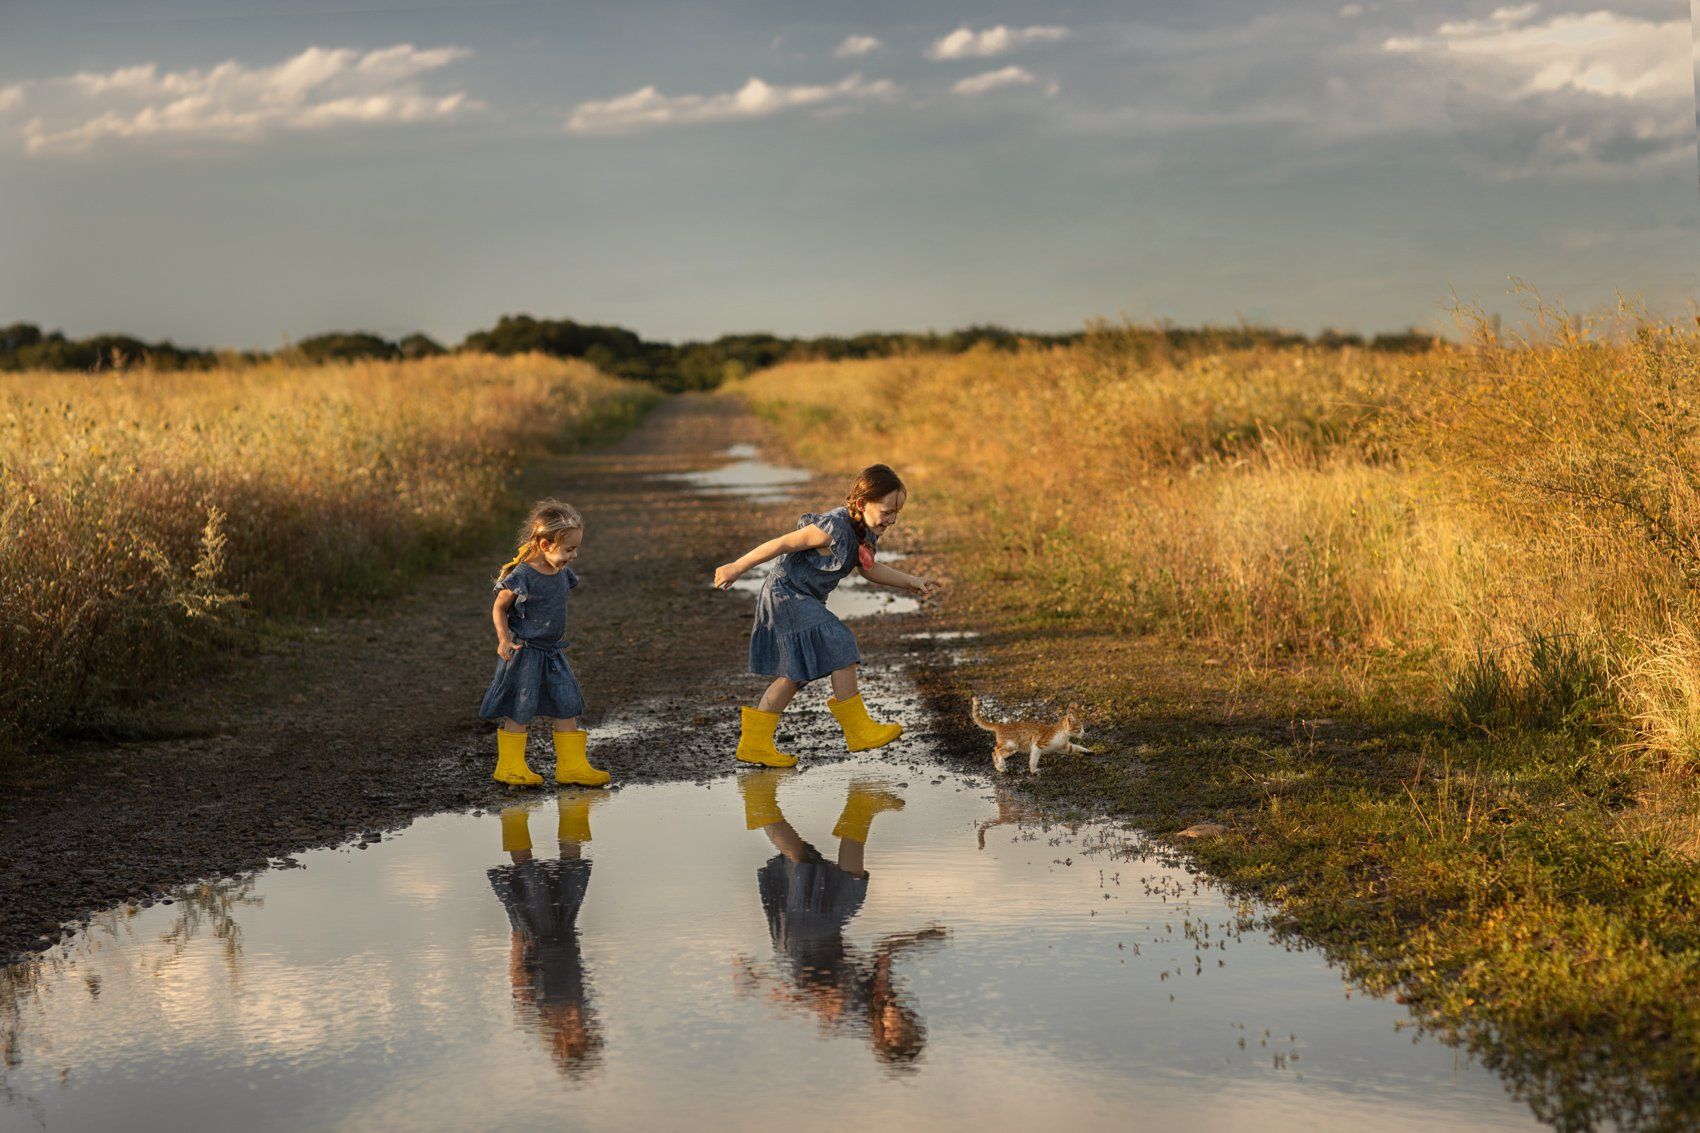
x: 141, y: 513
x: 1468, y: 507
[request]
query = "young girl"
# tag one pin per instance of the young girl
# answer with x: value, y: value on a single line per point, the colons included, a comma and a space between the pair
x: 533, y: 678
x: 796, y: 639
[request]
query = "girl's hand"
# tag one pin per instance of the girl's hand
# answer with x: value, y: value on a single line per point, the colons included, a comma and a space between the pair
x: 506, y: 647
x: 926, y: 587
x: 725, y: 576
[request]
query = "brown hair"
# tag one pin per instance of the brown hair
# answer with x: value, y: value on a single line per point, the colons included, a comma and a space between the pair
x: 548, y: 521
x: 874, y: 482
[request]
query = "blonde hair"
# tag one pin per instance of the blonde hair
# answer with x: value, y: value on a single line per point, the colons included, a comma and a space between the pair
x: 548, y: 521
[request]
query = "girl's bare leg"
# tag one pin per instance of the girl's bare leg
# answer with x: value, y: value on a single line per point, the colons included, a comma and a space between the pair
x: 786, y: 840
x: 850, y: 858
x: 510, y: 726
x: 780, y: 692
x: 844, y: 683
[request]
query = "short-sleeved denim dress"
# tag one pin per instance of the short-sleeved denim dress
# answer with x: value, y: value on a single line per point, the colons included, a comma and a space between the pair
x: 795, y: 635
x: 536, y: 680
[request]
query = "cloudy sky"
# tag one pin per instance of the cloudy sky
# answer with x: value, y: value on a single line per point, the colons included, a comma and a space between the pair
x: 239, y: 172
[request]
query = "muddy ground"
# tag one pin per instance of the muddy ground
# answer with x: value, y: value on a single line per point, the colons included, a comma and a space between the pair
x: 359, y: 724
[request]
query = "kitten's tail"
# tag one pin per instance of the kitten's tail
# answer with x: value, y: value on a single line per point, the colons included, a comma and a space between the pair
x: 974, y: 710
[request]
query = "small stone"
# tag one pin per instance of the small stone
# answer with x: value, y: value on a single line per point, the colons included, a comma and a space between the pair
x: 1202, y: 830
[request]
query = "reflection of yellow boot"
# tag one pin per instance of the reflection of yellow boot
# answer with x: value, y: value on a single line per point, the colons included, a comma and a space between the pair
x: 572, y: 766
x: 574, y: 809
x: 755, y: 745
x: 761, y: 796
x: 867, y: 798
x: 861, y: 732
x: 516, y: 833
x: 510, y: 760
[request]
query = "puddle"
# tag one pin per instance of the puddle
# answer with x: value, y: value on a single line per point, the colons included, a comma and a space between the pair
x: 747, y: 476
x: 673, y: 972
x: 957, y: 657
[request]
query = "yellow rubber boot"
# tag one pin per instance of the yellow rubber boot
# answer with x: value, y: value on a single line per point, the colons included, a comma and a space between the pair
x: 516, y: 832
x: 572, y: 766
x: 760, y: 790
x: 755, y: 745
x: 574, y: 810
x: 861, y: 732
x: 868, y: 797
x: 510, y: 761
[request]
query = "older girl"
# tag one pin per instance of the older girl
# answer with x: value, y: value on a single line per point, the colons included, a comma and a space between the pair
x: 796, y: 639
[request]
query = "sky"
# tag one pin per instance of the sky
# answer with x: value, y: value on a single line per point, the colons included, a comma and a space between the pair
x: 247, y: 172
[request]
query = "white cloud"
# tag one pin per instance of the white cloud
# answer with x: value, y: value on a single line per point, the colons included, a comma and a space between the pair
x: 11, y: 96
x: 965, y: 43
x: 1347, y: 11
x: 995, y: 80
x: 318, y: 89
x: 1601, y: 91
x: 855, y: 45
x: 648, y: 108
x: 1601, y: 52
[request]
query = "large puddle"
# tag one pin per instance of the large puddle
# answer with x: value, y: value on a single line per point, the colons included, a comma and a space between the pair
x: 694, y: 956
x: 675, y: 970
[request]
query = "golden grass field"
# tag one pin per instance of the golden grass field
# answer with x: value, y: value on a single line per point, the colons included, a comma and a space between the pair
x: 1503, y: 516
x: 143, y: 514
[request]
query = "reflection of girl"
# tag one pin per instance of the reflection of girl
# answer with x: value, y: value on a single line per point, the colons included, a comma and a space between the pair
x: 545, y: 967
x: 809, y: 901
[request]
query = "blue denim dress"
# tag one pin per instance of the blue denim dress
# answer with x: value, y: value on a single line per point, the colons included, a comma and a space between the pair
x: 808, y: 904
x: 536, y: 680
x: 795, y: 635
x: 543, y: 899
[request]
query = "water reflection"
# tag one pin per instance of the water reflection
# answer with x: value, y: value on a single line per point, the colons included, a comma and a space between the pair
x: 542, y: 898
x: 410, y: 986
x: 809, y: 901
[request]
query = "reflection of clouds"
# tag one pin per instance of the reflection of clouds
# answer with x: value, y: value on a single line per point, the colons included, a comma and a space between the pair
x: 420, y: 881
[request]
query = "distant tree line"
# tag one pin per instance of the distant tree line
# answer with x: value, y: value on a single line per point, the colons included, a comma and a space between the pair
x: 683, y: 366
x: 23, y: 346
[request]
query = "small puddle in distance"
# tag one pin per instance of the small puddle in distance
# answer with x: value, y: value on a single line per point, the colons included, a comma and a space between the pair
x: 746, y: 476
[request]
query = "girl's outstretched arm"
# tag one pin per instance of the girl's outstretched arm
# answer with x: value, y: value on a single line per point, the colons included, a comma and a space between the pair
x: 881, y: 575
x: 803, y: 539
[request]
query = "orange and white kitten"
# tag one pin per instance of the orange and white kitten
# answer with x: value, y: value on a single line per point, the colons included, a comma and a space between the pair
x: 1031, y: 736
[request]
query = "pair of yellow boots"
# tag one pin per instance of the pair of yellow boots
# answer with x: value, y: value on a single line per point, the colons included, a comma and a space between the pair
x: 861, y: 732
x: 572, y: 766
x: 572, y: 823
x: 867, y: 798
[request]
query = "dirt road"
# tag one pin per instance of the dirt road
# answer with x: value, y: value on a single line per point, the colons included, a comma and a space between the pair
x: 367, y: 721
